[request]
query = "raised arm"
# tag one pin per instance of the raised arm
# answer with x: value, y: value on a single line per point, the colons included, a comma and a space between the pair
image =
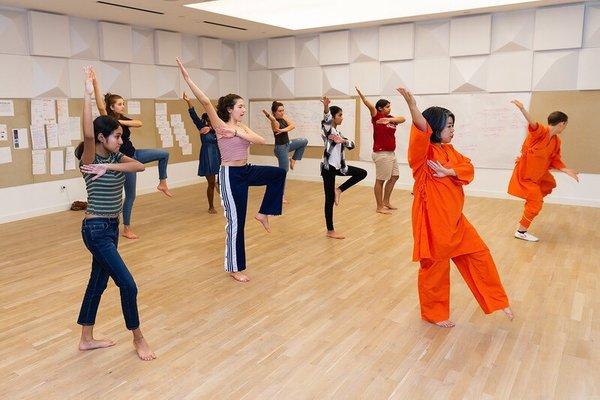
x: 415, y: 113
x: 89, y: 141
x: 203, y: 98
x: 273, y: 121
x: 132, y: 123
x: 327, y: 118
x: 532, y: 123
x: 366, y: 102
x: 98, y: 93
x: 200, y: 124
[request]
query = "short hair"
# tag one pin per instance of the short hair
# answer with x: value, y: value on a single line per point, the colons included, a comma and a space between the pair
x: 334, y: 110
x: 557, y: 117
x: 381, y: 103
x: 437, y: 118
x: 275, y: 105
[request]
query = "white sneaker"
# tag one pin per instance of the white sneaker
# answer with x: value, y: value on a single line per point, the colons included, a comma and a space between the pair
x: 526, y: 236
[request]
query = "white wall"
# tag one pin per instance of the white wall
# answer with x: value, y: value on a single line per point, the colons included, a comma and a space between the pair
x: 43, y: 55
x: 548, y: 48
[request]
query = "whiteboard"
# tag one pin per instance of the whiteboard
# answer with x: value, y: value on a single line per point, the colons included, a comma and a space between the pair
x: 489, y: 129
x: 307, y: 116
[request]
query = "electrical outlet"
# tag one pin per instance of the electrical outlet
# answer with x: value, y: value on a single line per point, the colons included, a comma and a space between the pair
x: 62, y: 188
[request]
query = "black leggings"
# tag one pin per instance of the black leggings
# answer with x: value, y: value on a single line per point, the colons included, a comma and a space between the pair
x: 356, y: 175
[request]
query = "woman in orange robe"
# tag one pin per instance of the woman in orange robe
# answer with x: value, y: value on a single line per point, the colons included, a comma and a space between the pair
x: 531, y: 179
x: 441, y: 232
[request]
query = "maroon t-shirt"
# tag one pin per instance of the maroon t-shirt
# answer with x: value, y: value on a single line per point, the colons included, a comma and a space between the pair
x: 384, y: 136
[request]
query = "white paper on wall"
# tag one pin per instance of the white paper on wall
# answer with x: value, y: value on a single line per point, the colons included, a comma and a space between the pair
x: 49, y: 111
x: 37, y: 113
x: 167, y: 141
x: 62, y: 110
x: 20, y: 139
x: 38, y: 161
x: 7, y: 108
x: 57, y: 162
x: 3, y: 132
x: 186, y: 149
x: 38, y: 137
x: 52, y: 135
x: 176, y: 120
x: 75, y: 128
x: 5, y: 155
x: 70, y: 158
x: 64, y: 135
x: 134, y: 107
x: 160, y: 108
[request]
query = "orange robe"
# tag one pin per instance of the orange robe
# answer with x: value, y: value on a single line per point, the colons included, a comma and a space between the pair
x: 531, y: 179
x: 441, y: 232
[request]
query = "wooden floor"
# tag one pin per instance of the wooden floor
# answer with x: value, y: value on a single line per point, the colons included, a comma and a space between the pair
x: 303, y: 328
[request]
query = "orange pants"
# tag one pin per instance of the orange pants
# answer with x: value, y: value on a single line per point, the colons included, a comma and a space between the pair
x: 532, y: 209
x: 479, y: 272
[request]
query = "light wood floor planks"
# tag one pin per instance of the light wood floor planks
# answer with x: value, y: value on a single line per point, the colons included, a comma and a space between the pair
x: 304, y: 327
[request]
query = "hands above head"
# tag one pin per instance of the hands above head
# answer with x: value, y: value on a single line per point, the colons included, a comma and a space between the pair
x: 325, y: 100
x: 439, y: 171
x: 408, y: 97
x: 90, y: 77
x: 518, y: 104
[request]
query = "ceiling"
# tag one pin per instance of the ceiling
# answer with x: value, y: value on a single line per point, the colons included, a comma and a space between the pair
x: 176, y: 17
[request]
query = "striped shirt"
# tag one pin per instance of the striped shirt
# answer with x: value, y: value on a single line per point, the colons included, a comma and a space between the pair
x: 105, y: 194
x: 333, y: 155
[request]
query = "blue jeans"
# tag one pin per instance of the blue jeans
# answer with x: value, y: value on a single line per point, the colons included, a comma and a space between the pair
x: 101, y: 237
x: 144, y: 156
x: 281, y: 151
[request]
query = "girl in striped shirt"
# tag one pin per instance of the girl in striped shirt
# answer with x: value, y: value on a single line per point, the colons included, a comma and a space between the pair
x: 103, y: 168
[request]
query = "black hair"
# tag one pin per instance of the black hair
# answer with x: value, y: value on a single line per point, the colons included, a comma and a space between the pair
x: 437, y: 118
x: 205, y: 118
x: 381, y: 103
x: 334, y: 110
x: 224, y: 104
x: 557, y: 117
x: 105, y: 125
x: 276, y: 104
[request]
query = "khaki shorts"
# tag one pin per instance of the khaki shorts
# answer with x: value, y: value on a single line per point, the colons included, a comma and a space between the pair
x: 386, y: 165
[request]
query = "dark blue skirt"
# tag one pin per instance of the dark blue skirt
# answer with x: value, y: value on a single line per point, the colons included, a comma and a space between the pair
x: 210, y: 160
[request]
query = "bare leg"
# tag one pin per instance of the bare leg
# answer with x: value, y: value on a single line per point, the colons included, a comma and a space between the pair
x: 128, y: 232
x: 141, y: 346
x: 378, y: 190
x: 387, y: 193
x: 162, y: 186
x: 87, y: 341
x: 210, y: 194
x: 338, y: 194
x: 292, y: 163
x: 509, y: 314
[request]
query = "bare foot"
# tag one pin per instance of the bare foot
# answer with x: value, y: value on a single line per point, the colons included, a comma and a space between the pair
x: 445, y: 324
x: 509, y: 313
x: 338, y: 194
x: 335, y: 235
x: 128, y: 233
x: 212, y: 211
x: 264, y: 220
x: 390, y: 207
x: 143, y: 349
x: 240, y: 277
x: 162, y: 187
x: 292, y: 163
x: 95, y: 344
x: 285, y: 201
x: 383, y: 210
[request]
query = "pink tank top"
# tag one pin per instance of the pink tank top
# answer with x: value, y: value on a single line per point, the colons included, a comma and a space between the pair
x: 234, y: 148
